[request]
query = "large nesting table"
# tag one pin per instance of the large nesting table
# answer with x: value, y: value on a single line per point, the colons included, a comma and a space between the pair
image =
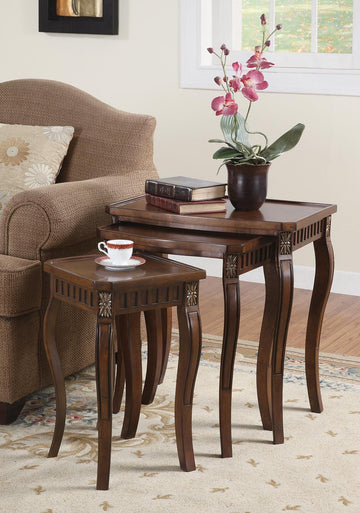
x: 246, y: 240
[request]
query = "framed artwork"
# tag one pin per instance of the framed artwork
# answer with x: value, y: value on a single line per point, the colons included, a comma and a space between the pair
x: 79, y: 16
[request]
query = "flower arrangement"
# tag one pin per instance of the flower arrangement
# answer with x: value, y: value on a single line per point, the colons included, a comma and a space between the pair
x: 234, y: 126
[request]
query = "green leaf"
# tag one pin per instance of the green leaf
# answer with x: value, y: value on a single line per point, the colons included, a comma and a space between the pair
x: 225, y: 153
x: 233, y: 128
x: 285, y: 143
x: 238, y: 148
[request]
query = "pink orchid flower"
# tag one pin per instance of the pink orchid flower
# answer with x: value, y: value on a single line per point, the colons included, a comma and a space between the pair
x: 235, y: 82
x: 224, y: 105
x: 258, y: 61
x: 254, y: 80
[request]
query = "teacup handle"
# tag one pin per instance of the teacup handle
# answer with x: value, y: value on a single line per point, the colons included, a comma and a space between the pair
x: 103, y: 250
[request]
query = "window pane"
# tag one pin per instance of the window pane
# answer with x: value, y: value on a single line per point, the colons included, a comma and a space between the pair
x: 295, y: 18
x: 251, y: 26
x: 335, y: 26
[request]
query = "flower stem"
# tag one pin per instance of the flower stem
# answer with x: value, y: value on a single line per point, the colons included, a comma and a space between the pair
x: 247, y: 115
x: 267, y: 39
x: 254, y: 133
x: 223, y: 65
x: 234, y: 129
x: 256, y: 146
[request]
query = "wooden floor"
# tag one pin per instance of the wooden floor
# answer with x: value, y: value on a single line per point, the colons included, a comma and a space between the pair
x: 341, y: 327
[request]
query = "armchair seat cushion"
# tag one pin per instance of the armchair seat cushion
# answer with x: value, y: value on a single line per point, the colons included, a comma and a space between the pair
x: 20, y: 285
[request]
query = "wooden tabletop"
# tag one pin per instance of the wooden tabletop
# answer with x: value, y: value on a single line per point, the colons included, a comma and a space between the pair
x: 88, y: 273
x: 182, y: 242
x: 273, y: 217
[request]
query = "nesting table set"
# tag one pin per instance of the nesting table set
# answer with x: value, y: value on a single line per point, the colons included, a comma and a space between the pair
x: 244, y: 241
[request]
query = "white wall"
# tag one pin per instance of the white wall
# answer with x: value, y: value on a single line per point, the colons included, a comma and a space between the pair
x: 138, y: 71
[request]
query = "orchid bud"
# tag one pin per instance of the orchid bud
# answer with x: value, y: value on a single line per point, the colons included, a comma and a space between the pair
x: 263, y: 19
x: 210, y: 50
x: 279, y: 26
x: 258, y: 50
x: 226, y: 51
x: 225, y: 79
x: 223, y: 46
x: 267, y: 43
x: 218, y: 80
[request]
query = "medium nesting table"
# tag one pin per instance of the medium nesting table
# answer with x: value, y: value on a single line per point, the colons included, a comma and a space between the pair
x: 239, y: 255
x: 288, y: 226
x: 120, y: 296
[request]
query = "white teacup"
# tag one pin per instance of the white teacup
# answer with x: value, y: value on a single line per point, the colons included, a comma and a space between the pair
x: 118, y: 250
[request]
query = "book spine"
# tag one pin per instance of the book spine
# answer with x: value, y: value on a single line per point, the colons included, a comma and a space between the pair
x: 165, y: 203
x: 177, y: 192
x: 204, y: 212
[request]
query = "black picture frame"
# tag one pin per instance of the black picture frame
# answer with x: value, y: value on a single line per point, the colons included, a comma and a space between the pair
x: 49, y: 21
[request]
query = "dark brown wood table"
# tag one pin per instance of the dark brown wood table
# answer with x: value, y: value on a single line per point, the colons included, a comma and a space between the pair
x: 288, y: 226
x: 239, y: 255
x: 120, y: 296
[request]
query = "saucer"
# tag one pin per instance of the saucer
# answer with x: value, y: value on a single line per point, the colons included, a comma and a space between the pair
x: 134, y: 261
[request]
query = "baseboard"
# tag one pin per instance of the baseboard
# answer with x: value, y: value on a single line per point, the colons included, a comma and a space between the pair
x: 344, y: 282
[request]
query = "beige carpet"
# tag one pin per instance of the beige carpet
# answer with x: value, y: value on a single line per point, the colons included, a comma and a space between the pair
x: 317, y: 470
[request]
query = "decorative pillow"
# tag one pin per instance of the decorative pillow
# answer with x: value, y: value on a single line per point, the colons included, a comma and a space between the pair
x: 30, y: 156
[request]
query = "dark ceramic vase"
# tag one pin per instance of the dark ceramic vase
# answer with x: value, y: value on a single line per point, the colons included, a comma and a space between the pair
x: 247, y: 185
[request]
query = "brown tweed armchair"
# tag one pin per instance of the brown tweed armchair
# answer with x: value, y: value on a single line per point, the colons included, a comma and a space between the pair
x: 109, y: 159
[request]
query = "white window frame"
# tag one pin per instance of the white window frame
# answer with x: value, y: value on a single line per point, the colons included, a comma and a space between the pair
x: 336, y: 74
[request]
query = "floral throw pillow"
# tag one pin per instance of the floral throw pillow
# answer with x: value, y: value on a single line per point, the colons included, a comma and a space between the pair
x: 30, y: 157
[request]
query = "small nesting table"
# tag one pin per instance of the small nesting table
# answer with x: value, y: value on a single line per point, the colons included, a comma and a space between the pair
x: 120, y: 296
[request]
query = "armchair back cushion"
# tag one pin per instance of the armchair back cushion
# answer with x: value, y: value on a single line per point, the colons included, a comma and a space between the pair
x: 106, y: 141
x: 109, y: 158
x: 30, y: 157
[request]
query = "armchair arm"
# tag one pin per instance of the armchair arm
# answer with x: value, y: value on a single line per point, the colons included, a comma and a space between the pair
x: 61, y: 219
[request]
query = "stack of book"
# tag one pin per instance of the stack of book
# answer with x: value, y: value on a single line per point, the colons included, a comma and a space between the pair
x: 184, y: 195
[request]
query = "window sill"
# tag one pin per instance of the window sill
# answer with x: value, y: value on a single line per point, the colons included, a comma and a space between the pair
x: 281, y: 80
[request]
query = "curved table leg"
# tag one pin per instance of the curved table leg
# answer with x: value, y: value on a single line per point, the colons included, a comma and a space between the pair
x: 323, y: 279
x: 189, y: 357
x: 283, y: 270
x: 129, y: 341
x: 231, y: 291
x: 267, y: 335
x: 119, y: 382
x: 155, y: 354
x: 56, y: 372
x: 270, y: 370
x: 104, y: 354
x: 166, y: 322
x: 166, y: 325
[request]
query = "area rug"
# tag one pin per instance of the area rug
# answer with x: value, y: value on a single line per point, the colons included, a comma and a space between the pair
x: 316, y: 470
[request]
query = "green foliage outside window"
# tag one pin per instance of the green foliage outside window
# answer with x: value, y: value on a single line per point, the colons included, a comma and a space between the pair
x: 334, y: 25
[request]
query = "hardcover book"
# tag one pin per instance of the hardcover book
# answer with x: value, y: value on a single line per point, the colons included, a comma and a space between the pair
x: 187, y: 207
x: 184, y: 188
